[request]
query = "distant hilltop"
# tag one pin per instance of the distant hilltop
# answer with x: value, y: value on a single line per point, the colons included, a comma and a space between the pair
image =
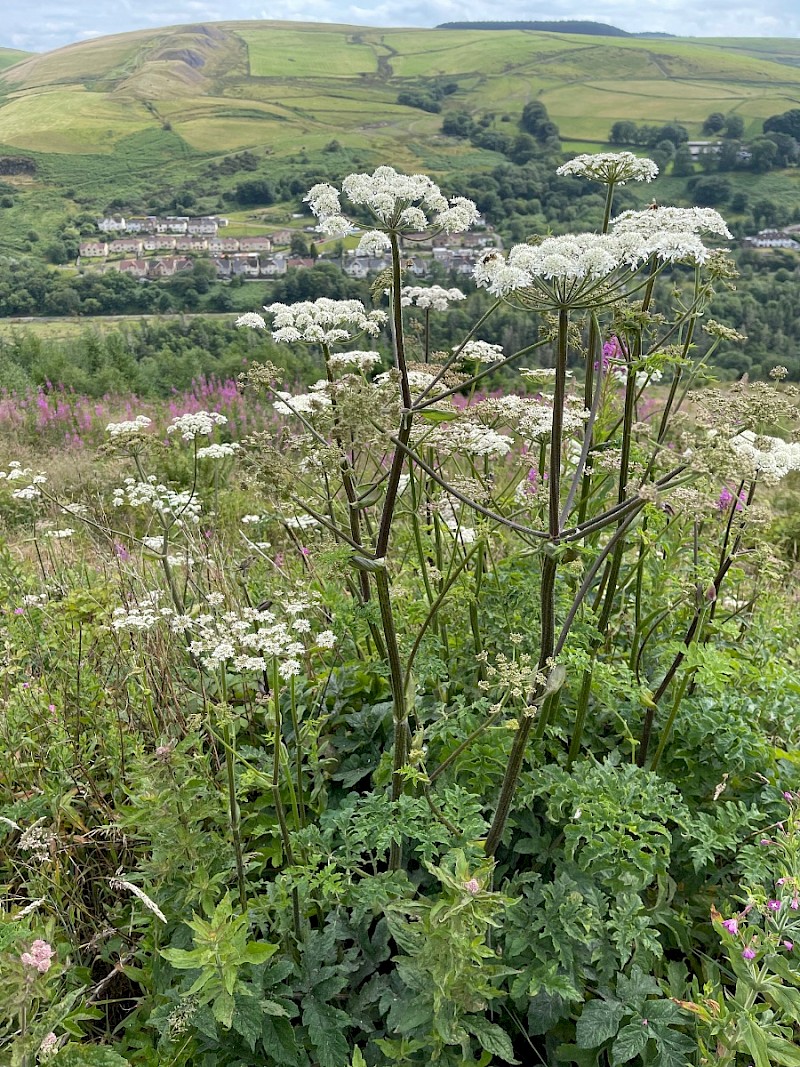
x: 595, y: 29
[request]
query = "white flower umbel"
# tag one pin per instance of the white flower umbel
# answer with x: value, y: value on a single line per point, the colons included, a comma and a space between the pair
x: 373, y: 243
x: 324, y: 321
x: 470, y: 438
x: 362, y: 361
x: 218, y: 451
x: 481, y: 352
x: 128, y: 427
x: 434, y: 297
x: 611, y: 168
x: 659, y: 220
x: 196, y: 424
x: 251, y: 319
x: 400, y: 203
x: 768, y: 458
x: 302, y: 403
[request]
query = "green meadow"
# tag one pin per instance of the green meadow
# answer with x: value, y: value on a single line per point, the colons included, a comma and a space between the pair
x: 287, y: 86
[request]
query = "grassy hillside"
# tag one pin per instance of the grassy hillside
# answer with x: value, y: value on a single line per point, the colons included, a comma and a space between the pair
x: 124, y: 117
x: 10, y: 56
x: 229, y: 86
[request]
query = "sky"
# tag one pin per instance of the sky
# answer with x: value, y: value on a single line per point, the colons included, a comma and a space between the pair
x: 41, y: 25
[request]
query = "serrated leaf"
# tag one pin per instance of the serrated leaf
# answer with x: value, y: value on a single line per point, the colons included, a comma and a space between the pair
x: 358, y: 1058
x: 247, y: 1019
x: 325, y: 1028
x: 629, y: 1042
x: 182, y: 959
x: 492, y: 1038
x: 277, y: 1037
x: 222, y: 1009
x: 599, y: 1021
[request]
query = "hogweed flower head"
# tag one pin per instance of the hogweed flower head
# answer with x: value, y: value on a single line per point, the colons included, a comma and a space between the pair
x: 481, y: 352
x: 434, y: 297
x: 128, y: 427
x: 400, y: 203
x: 660, y: 220
x: 196, y: 424
x: 324, y: 321
x: 252, y: 320
x: 611, y: 168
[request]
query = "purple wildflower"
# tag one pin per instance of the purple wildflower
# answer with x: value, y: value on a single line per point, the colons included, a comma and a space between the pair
x: 749, y: 953
x: 731, y: 925
x: 774, y: 905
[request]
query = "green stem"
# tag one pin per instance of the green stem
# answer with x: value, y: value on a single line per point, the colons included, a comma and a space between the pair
x: 546, y: 594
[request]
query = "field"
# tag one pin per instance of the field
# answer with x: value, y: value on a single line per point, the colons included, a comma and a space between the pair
x: 241, y: 85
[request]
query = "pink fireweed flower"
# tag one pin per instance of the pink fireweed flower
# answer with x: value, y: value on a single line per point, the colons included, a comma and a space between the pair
x: 749, y: 954
x: 774, y: 905
x: 731, y: 925
x: 788, y: 945
x: 473, y: 886
x: 795, y: 904
x: 39, y: 956
x: 726, y: 497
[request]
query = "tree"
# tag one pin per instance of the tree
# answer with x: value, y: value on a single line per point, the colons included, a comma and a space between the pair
x: 739, y: 202
x: 298, y: 245
x: 734, y: 127
x: 763, y: 154
x: 254, y: 192
x: 787, y: 122
x: 673, y: 132
x: 682, y: 163
x: 458, y: 124
x: 711, y: 190
x: 714, y: 123
x: 623, y: 133
x: 533, y: 115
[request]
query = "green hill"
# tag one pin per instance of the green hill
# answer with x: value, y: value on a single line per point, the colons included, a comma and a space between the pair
x: 125, y: 119
x: 10, y: 56
x: 228, y: 86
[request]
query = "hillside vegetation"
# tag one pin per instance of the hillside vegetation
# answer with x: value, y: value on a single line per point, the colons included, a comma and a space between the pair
x: 285, y: 86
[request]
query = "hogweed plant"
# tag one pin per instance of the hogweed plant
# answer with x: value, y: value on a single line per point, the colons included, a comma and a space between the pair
x: 416, y: 699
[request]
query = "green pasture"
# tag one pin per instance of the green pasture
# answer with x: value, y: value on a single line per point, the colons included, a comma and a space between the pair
x: 10, y: 56
x: 307, y: 54
x: 70, y: 120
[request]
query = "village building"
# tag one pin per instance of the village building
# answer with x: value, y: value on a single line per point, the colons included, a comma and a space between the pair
x: 222, y: 265
x: 245, y: 265
x: 273, y: 266
x: 166, y: 266
x: 93, y: 249
x: 112, y: 224
x: 125, y: 244
x: 255, y: 244
x: 205, y: 225
x: 136, y: 267
x: 158, y: 243
x: 771, y: 239
x: 191, y: 244
x: 223, y: 244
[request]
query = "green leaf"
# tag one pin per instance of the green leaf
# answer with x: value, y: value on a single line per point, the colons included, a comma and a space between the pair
x: 756, y: 1041
x: 634, y: 990
x: 183, y: 959
x: 492, y: 1038
x: 277, y: 1036
x: 271, y: 1007
x: 258, y: 952
x: 599, y: 1021
x: 630, y: 1041
x: 674, y: 1048
x: 783, y: 1052
x: 358, y: 1058
x: 429, y: 415
x: 73, y: 1055
x: 325, y: 1028
x: 247, y: 1018
x: 222, y: 1009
